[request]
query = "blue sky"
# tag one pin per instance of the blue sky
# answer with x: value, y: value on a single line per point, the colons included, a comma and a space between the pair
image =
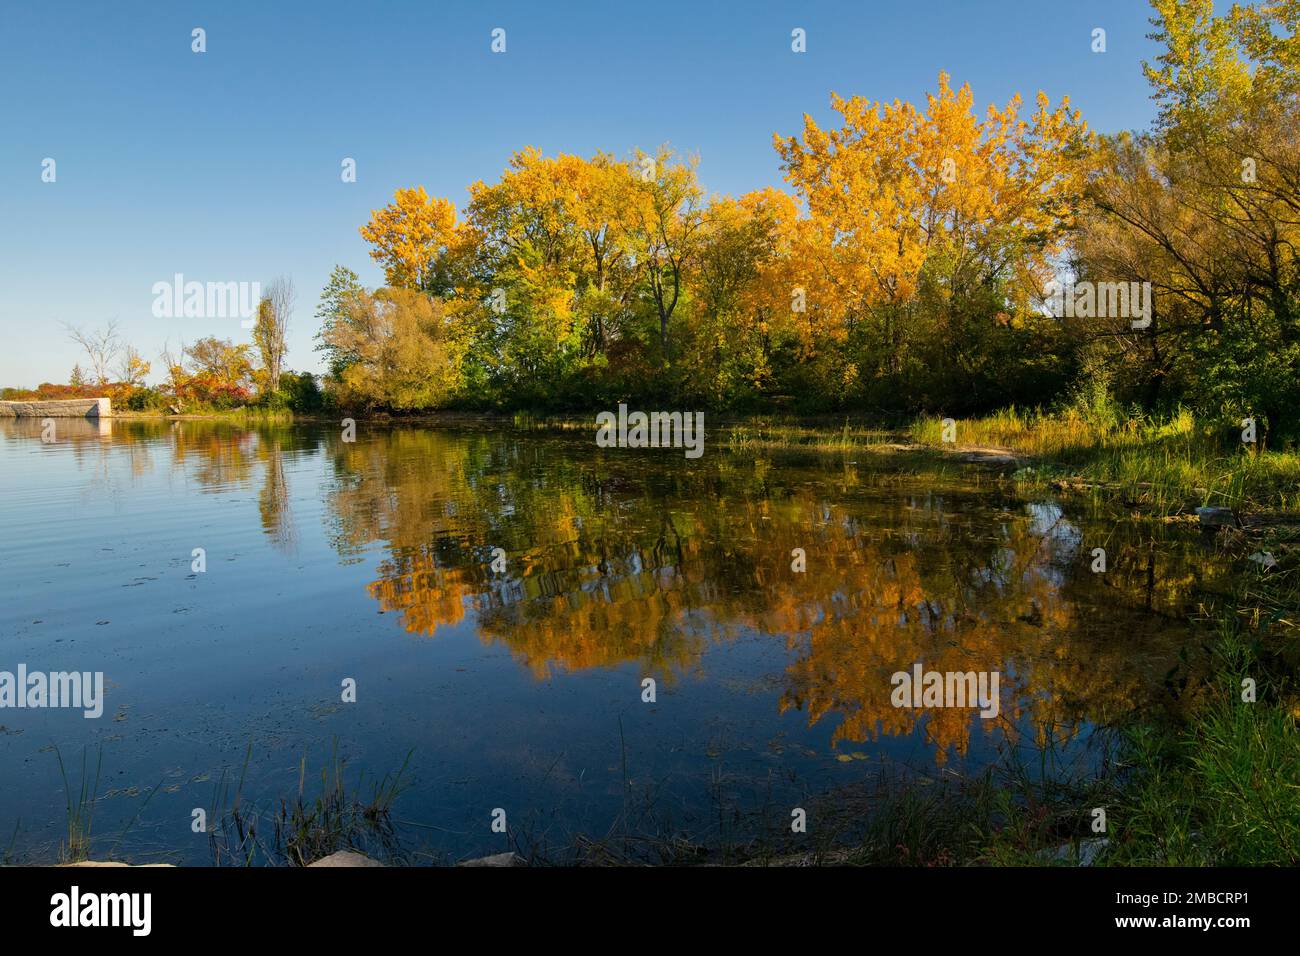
x: 225, y: 165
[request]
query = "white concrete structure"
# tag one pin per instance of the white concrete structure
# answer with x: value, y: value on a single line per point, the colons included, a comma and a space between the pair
x: 63, y: 408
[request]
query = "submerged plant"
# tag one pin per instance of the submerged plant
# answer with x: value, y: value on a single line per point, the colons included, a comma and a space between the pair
x: 306, y: 828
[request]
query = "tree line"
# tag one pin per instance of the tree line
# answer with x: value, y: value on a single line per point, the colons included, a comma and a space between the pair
x: 903, y: 270
x: 209, y: 373
x: 906, y: 267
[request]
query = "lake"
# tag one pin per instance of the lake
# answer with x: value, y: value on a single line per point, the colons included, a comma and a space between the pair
x: 522, y: 688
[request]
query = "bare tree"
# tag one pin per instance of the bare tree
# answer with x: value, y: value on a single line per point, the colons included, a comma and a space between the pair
x: 272, y: 327
x: 173, y: 364
x: 100, y: 346
x: 132, y: 367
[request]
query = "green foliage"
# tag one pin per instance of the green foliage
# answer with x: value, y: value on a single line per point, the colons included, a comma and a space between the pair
x: 1220, y: 789
x: 402, y: 352
x: 343, y: 284
x: 298, y: 392
x: 146, y: 400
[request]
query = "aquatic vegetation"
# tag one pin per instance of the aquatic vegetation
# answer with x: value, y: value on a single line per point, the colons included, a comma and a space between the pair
x: 305, y: 828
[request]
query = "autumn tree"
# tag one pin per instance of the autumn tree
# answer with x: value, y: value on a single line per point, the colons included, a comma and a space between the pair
x: 740, y: 295
x: 133, y: 368
x: 528, y: 251
x: 173, y: 363
x: 412, y: 237
x: 1204, y: 207
x: 667, y: 216
x: 220, y: 372
x: 929, y: 229
x: 553, y: 268
x: 403, y: 354
x: 271, y: 327
x: 606, y: 281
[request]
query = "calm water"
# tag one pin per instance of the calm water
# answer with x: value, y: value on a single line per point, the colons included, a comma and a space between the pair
x: 522, y: 690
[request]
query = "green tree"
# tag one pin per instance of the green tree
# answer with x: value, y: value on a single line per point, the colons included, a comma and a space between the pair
x: 332, y: 312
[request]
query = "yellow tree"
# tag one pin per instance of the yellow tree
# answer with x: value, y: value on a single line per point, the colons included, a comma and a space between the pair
x: 411, y: 237
x: 404, y: 354
x: 553, y: 241
x: 903, y: 202
x: 666, y: 209
x: 133, y: 368
x: 738, y: 290
x: 600, y: 205
x: 527, y: 251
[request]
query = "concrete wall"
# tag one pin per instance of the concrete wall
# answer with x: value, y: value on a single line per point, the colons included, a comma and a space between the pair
x: 64, y: 408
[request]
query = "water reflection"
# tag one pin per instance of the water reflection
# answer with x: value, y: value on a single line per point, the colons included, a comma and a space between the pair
x: 627, y: 558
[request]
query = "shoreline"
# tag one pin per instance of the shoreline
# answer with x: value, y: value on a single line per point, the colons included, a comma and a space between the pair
x: 1165, y: 467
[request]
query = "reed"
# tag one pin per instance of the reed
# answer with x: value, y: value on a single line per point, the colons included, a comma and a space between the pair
x: 80, y: 812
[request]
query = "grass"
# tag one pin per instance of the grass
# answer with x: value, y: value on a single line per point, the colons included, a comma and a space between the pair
x: 249, y: 414
x: 1217, y: 786
x: 255, y: 414
x: 7, y: 858
x: 1015, y: 813
x: 80, y: 813
x: 1169, y: 464
x: 304, y: 829
x: 759, y: 434
x: 1223, y: 789
x: 1223, y: 792
x: 80, y: 809
x: 1006, y: 816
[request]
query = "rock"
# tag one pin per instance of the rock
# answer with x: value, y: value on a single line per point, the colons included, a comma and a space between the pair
x: 117, y: 863
x: 1088, y: 852
x: 345, y: 858
x: 1269, y: 519
x: 978, y: 455
x: 1216, y: 517
x: 499, y: 859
